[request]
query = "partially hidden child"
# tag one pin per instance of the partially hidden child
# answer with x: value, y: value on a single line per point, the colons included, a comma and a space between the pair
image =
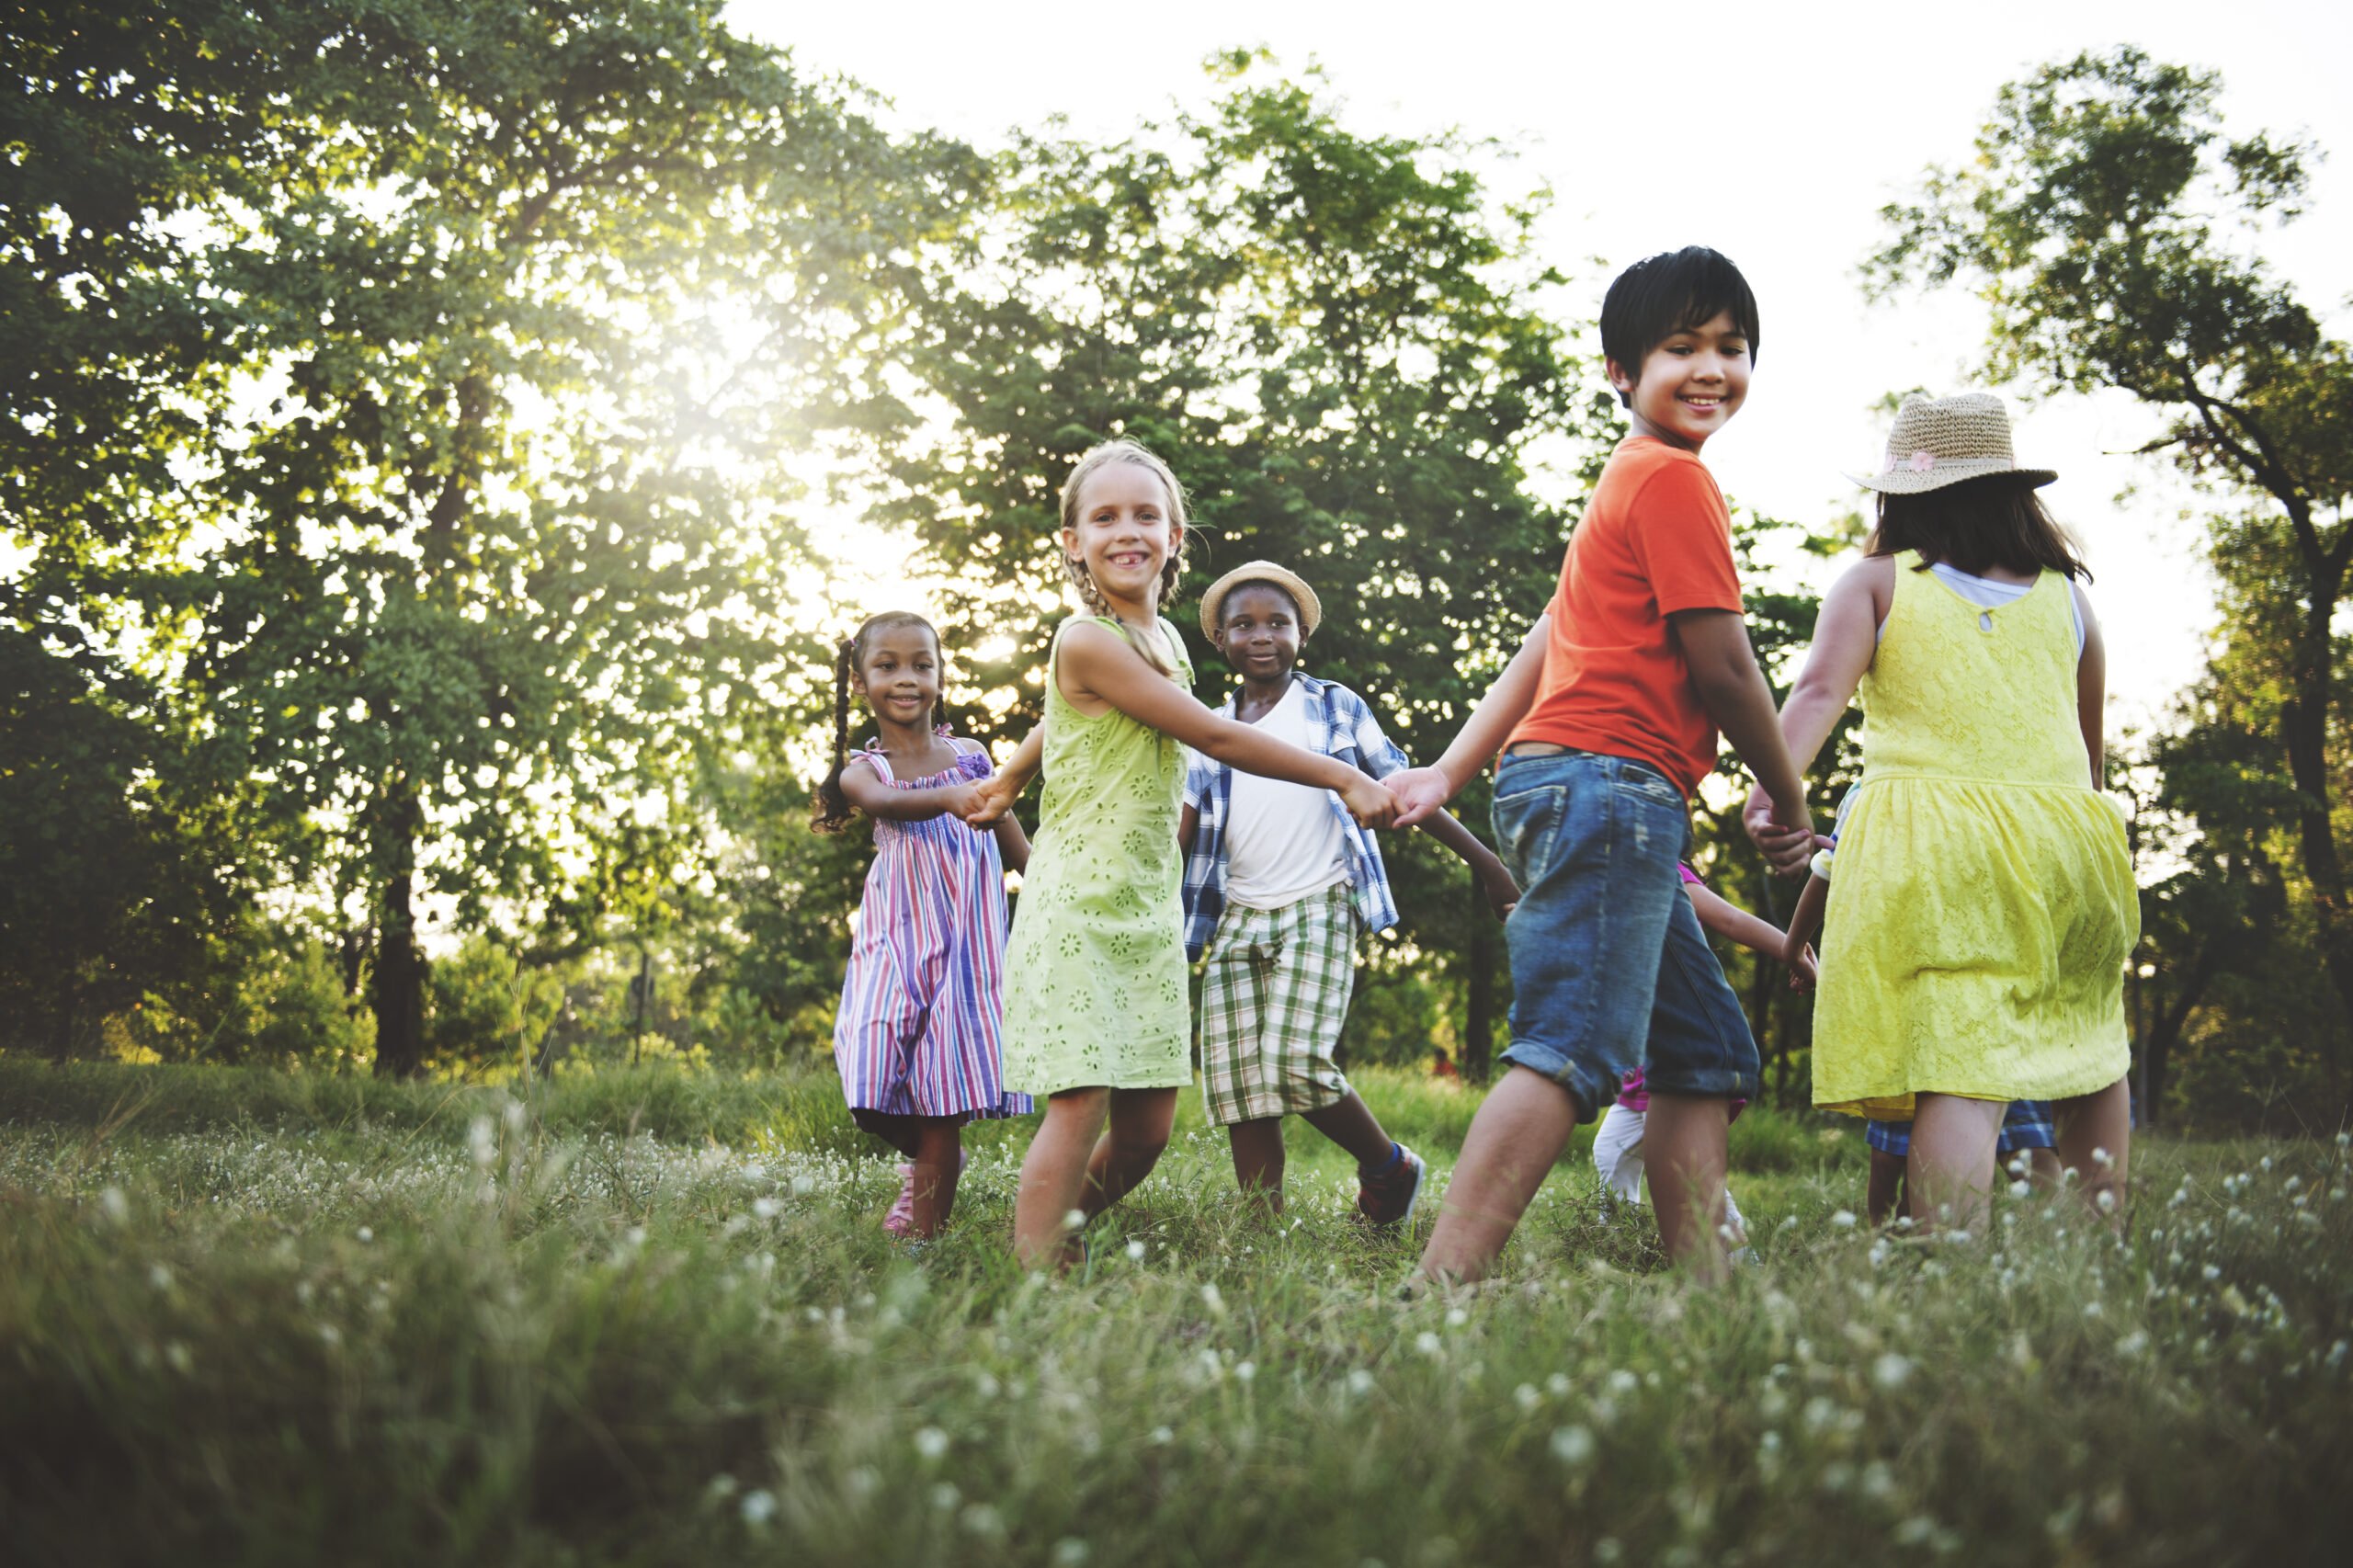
x: 1278, y: 884
x: 1608, y: 719
x: 1096, y: 1019
x: 917, y: 1036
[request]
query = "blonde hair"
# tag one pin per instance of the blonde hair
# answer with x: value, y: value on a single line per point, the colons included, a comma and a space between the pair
x: 1125, y: 450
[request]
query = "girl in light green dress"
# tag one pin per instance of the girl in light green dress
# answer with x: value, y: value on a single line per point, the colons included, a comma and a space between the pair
x: 1095, y: 1020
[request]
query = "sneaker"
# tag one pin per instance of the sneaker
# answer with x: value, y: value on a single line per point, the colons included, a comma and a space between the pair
x: 1388, y: 1198
x: 901, y: 1220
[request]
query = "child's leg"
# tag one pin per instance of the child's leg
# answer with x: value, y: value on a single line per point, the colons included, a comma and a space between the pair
x: 939, y: 1153
x: 1618, y: 1151
x: 1053, y: 1174
x: 1886, y: 1190
x: 1519, y: 1131
x: 2042, y: 1168
x: 1349, y: 1122
x: 902, y: 1132
x: 1130, y: 1147
x: 1686, y: 1159
x: 1950, y: 1171
x: 1258, y: 1160
x: 2093, y: 1126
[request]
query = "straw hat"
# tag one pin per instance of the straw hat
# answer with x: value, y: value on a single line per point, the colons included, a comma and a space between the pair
x: 1311, y: 613
x: 1941, y: 441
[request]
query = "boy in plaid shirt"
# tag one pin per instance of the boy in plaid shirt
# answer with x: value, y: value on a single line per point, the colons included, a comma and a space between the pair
x: 1278, y: 879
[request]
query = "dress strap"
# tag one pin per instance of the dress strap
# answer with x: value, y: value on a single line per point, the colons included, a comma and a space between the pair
x: 874, y: 757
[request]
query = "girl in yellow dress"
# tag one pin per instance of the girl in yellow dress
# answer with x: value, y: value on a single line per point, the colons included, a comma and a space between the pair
x: 1974, y: 943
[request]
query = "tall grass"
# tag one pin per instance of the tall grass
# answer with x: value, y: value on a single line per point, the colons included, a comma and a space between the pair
x: 305, y: 1323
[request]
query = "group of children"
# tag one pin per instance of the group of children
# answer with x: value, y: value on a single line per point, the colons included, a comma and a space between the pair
x: 1972, y: 953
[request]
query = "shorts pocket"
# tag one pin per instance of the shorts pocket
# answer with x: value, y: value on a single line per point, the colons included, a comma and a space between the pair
x: 1526, y: 822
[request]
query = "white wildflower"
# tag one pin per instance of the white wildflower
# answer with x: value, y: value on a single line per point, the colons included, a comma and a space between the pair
x: 114, y: 1206
x: 758, y: 1507
x: 1359, y: 1382
x: 931, y: 1442
x: 1427, y: 1343
x: 1891, y: 1370
x: 1572, y: 1445
x: 1135, y: 1254
x: 1069, y: 1552
x: 1526, y: 1396
x: 1843, y: 1219
x: 765, y: 1208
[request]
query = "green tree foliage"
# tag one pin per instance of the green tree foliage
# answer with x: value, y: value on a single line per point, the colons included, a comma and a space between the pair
x: 2108, y: 221
x: 447, y: 483
x: 1338, y: 342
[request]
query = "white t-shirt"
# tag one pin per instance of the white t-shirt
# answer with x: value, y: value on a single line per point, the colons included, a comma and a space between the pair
x: 1282, y: 840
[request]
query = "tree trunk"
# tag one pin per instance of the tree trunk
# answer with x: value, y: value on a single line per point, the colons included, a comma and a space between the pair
x: 397, y: 991
x: 1479, y: 1029
x: 2304, y: 726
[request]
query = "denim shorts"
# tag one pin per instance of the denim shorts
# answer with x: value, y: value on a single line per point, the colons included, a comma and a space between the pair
x: 1610, y: 969
x: 2026, y: 1125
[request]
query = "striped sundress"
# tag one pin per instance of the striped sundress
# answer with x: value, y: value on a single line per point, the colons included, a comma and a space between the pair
x: 918, y: 1032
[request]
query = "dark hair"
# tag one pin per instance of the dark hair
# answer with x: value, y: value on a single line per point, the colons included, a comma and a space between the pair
x: 830, y: 812
x: 1994, y: 520
x: 1670, y: 293
x: 1271, y: 587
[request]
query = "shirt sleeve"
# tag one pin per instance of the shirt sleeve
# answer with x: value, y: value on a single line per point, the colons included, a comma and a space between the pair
x: 1382, y: 756
x: 1201, y: 777
x: 1689, y: 875
x: 1681, y: 539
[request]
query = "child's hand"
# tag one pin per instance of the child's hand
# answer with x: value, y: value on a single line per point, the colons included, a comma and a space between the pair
x: 988, y: 801
x: 1420, y: 791
x: 1370, y: 801
x: 1805, y: 968
x: 1502, y: 892
x: 1783, y: 836
x: 960, y: 800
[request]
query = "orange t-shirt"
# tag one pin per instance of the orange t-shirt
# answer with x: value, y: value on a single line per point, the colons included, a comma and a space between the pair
x: 1656, y: 539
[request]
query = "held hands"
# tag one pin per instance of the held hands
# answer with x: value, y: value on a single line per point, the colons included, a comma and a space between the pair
x: 1787, y: 845
x: 989, y: 801
x: 1421, y: 792
x: 1370, y: 801
x: 1805, y: 968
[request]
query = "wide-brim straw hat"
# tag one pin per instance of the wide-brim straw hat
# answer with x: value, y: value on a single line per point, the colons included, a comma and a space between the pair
x: 1943, y: 440
x: 1311, y: 613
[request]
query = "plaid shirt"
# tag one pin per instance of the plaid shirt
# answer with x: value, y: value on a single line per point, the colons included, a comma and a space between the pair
x: 1340, y: 726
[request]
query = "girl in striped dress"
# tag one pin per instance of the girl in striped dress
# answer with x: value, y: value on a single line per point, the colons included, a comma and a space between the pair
x: 917, y: 1034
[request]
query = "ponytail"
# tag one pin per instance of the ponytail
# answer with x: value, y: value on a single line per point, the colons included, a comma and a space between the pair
x: 830, y: 812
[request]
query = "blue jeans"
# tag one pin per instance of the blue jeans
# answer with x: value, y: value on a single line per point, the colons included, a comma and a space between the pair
x: 1610, y: 969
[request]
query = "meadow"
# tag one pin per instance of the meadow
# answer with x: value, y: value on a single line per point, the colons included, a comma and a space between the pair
x: 652, y: 1318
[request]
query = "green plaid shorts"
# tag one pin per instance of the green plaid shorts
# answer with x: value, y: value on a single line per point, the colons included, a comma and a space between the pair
x: 1274, y: 995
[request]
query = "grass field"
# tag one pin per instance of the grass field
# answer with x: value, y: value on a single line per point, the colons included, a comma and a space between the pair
x: 256, y: 1318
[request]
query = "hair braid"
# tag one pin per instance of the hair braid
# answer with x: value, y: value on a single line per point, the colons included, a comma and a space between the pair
x: 830, y: 812
x: 1125, y: 449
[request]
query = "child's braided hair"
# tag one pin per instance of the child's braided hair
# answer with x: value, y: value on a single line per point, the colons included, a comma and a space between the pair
x: 831, y: 811
x: 1123, y: 449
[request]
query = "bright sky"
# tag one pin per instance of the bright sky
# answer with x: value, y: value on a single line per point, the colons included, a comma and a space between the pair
x: 1775, y: 140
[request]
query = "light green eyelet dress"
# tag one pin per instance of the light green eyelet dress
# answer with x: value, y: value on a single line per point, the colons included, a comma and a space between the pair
x: 1095, y: 975
x: 1976, y: 934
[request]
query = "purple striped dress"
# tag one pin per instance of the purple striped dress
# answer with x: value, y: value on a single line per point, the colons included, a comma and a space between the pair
x: 918, y: 1032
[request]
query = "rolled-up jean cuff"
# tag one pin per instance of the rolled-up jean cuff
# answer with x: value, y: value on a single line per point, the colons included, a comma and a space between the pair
x: 1593, y: 1093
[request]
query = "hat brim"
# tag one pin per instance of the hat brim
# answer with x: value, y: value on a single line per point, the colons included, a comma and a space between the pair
x: 1311, y: 610
x: 1918, y: 481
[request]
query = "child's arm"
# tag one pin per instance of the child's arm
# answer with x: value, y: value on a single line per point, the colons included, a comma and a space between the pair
x: 1421, y: 790
x: 2091, y: 691
x: 1846, y: 636
x: 1001, y: 789
x: 1733, y: 923
x: 864, y: 789
x: 1012, y: 843
x: 1100, y: 663
x: 1495, y: 881
x: 1733, y: 691
x: 1805, y: 920
x: 1187, y: 822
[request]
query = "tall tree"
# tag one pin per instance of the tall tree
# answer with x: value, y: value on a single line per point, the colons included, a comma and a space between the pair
x: 2109, y: 224
x: 476, y: 525
x: 1340, y: 342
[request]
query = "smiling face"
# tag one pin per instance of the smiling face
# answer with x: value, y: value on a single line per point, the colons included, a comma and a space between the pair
x: 1123, y: 530
x: 898, y: 673
x: 1689, y: 383
x: 1258, y: 631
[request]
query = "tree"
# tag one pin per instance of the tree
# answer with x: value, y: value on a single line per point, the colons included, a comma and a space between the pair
x: 2107, y: 222
x: 1336, y: 340
x: 472, y: 520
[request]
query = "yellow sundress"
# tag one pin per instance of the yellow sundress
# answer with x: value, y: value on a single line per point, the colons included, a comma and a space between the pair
x: 1976, y: 934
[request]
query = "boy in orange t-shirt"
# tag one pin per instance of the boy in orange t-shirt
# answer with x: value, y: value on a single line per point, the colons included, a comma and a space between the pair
x: 1607, y: 720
